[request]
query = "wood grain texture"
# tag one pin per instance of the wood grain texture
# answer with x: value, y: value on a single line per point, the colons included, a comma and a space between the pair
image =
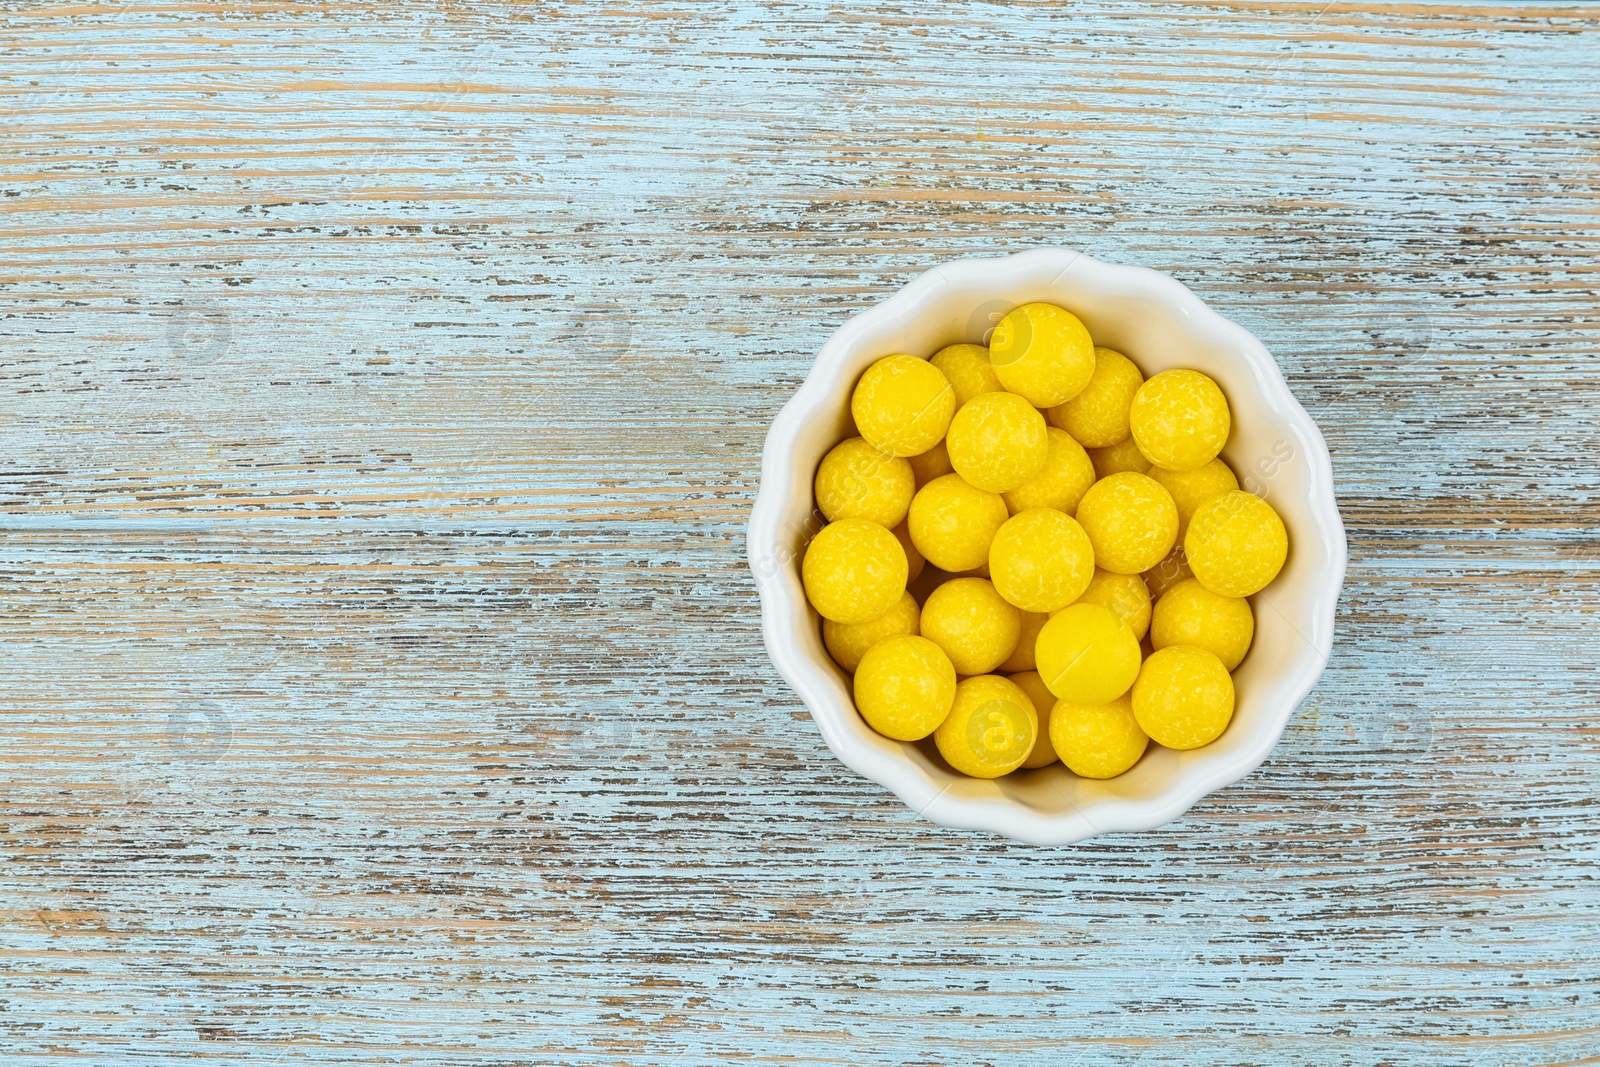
x: 385, y: 390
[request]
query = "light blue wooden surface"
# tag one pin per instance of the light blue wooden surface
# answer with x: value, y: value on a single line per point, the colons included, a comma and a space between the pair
x: 385, y: 390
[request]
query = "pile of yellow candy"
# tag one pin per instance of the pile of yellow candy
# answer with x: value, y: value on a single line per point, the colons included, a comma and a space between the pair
x: 1038, y: 494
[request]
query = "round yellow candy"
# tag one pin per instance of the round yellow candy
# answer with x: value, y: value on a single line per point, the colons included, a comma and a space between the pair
x: 997, y: 441
x: 1114, y: 459
x: 975, y: 627
x: 847, y: 642
x: 1191, y: 614
x: 1192, y: 488
x: 1125, y: 594
x: 967, y: 367
x: 1236, y: 544
x: 1043, y: 700
x: 1098, y: 416
x: 902, y: 405
x: 934, y: 463
x: 1066, y: 475
x: 854, y: 571
x: 1042, y: 353
x: 1021, y: 658
x: 914, y: 561
x: 1041, y: 560
x: 1097, y: 740
x: 952, y: 523
x: 1184, y: 697
x: 904, y: 687
x: 856, y: 481
x: 1087, y: 655
x: 1168, y: 573
x: 1180, y: 419
x: 990, y: 729
x: 1131, y: 521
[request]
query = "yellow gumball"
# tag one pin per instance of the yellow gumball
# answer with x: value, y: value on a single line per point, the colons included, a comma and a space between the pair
x: 902, y: 405
x: 1114, y: 459
x: 976, y: 628
x: 997, y: 441
x: 1125, y: 594
x: 1131, y: 521
x: 1168, y: 573
x: 1041, y: 560
x: 1191, y: 614
x: 1042, y: 353
x: 953, y: 522
x: 854, y: 571
x: 1192, y: 488
x: 1021, y: 658
x: 1087, y: 655
x: 1098, y: 416
x: 1184, y: 697
x: 1236, y: 544
x: 1066, y: 475
x: 914, y: 561
x: 967, y: 367
x: 1097, y: 740
x: 990, y: 729
x: 1043, y: 700
x: 1180, y: 419
x: 847, y: 642
x: 856, y: 481
x: 904, y: 687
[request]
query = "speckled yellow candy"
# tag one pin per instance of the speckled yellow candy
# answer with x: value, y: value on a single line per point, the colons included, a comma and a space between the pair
x: 1236, y: 544
x: 854, y: 571
x: 1021, y: 658
x: 1168, y: 573
x: 1180, y: 419
x: 847, y: 642
x: 1087, y: 655
x: 997, y: 441
x: 1043, y: 700
x: 990, y: 729
x: 902, y: 405
x: 1184, y: 697
x: 1191, y: 614
x: 1131, y: 521
x: 1042, y: 353
x: 914, y: 560
x: 904, y: 687
x: 1125, y: 594
x: 1098, y: 416
x: 974, y: 626
x: 967, y: 367
x: 934, y: 463
x: 1122, y: 456
x: 856, y: 481
x: 952, y: 523
x: 1066, y: 475
x: 1192, y: 488
x: 1097, y: 740
x: 1041, y: 560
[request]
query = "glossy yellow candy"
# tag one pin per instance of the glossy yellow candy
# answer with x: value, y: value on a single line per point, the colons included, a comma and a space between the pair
x: 1236, y: 544
x: 1125, y: 594
x: 1168, y: 573
x: 967, y: 367
x: 1192, y: 488
x: 904, y: 687
x: 1087, y: 655
x: 1041, y: 560
x: 1098, y: 416
x: 1131, y: 520
x: 934, y: 463
x: 1184, y: 697
x: 975, y: 627
x: 1122, y: 456
x: 1066, y: 475
x: 856, y: 481
x: 1043, y: 700
x: 854, y: 571
x: 1190, y: 614
x: 914, y: 561
x: 902, y: 405
x: 847, y: 642
x: 990, y: 728
x: 1021, y: 658
x: 952, y: 523
x: 1180, y: 419
x: 997, y: 441
x: 1097, y: 740
x: 1042, y: 353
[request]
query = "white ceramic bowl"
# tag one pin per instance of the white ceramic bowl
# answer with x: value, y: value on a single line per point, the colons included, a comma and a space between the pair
x: 1275, y: 448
